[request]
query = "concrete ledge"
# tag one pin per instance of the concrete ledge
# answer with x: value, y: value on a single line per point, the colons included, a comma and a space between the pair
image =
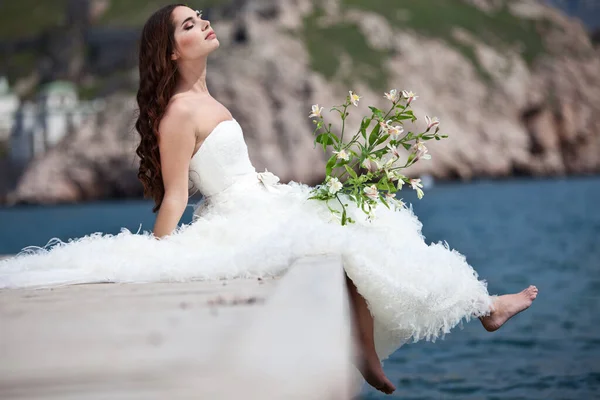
x: 298, y: 346
x: 286, y: 338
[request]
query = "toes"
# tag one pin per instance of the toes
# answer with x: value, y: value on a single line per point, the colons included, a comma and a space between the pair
x: 533, y: 290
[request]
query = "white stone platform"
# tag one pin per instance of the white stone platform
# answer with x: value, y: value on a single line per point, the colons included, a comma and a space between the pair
x: 286, y: 338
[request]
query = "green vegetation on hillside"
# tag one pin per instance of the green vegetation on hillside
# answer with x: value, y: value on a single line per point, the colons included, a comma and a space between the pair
x: 21, y: 19
x: 437, y: 19
x: 135, y: 12
x: 26, y: 18
x: 328, y: 44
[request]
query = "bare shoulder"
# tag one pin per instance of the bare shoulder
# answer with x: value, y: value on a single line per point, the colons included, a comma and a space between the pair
x: 197, y: 113
x: 178, y: 117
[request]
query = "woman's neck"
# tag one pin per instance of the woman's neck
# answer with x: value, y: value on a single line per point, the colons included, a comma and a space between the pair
x: 192, y: 78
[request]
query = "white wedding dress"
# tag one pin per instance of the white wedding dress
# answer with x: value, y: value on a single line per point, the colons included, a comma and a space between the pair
x: 248, y: 227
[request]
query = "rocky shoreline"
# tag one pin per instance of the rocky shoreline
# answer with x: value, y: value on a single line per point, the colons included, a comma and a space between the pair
x: 509, y: 111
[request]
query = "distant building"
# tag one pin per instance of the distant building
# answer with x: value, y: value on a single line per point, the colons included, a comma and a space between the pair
x: 9, y: 103
x: 40, y: 125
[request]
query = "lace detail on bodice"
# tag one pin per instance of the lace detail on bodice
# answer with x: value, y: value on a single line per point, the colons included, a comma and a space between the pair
x: 222, y: 160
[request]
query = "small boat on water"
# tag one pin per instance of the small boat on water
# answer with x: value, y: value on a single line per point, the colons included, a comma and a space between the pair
x: 427, y: 181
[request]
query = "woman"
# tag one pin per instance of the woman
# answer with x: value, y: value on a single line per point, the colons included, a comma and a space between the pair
x: 400, y: 288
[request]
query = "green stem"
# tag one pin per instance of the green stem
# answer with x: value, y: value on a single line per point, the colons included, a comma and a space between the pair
x: 345, y: 172
x: 341, y: 204
x: 343, y: 125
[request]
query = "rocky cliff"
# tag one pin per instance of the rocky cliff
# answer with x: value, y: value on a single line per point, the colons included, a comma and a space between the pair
x: 516, y: 85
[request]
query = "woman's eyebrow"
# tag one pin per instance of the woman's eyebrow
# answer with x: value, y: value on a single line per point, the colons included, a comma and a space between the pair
x: 187, y: 20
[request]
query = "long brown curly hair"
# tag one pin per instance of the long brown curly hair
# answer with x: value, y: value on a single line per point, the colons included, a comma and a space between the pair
x: 158, y: 76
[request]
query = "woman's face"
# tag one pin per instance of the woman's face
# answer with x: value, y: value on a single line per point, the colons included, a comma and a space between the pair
x: 194, y: 37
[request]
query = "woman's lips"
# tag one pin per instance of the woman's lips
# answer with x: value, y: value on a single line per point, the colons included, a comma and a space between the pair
x: 211, y: 35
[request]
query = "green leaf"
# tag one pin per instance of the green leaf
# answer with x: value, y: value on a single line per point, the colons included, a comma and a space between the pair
x: 383, y: 184
x: 382, y: 139
x: 374, y: 134
x: 344, y: 217
x: 377, y: 112
x: 382, y: 198
x: 351, y: 171
x: 364, y: 125
x: 407, y: 146
x: 324, y: 139
x: 379, y: 153
x: 330, y: 164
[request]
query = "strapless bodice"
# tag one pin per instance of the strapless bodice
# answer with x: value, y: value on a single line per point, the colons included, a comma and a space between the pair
x: 222, y: 160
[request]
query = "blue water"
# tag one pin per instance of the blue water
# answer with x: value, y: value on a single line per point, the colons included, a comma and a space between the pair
x: 545, y: 232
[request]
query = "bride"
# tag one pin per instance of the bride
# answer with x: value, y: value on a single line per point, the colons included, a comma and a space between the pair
x: 400, y: 288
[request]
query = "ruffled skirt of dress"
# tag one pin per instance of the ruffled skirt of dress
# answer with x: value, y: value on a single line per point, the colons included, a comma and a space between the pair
x: 414, y: 290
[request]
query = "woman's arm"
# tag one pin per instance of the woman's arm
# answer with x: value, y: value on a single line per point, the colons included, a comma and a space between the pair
x: 177, y: 140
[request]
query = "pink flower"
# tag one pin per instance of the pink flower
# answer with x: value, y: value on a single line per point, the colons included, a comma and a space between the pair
x: 393, y: 95
x: 417, y: 185
x: 372, y: 192
x: 354, y: 98
x: 410, y: 96
x: 431, y: 122
x: 316, y: 111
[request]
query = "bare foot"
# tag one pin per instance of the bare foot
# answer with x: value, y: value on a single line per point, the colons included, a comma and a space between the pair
x: 507, y: 306
x: 371, y: 370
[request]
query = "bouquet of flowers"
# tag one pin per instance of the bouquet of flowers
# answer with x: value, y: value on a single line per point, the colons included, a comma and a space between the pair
x: 373, y: 151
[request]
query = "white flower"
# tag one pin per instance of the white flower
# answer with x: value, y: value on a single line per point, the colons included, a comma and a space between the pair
x: 431, y: 122
x: 354, y: 98
x: 417, y: 185
x: 388, y: 160
x: 384, y: 162
x: 334, y: 185
x: 342, y: 155
x: 392, y: 95
x: 392, y: 175
x: 393, y: 150
x: 400, y: 181
x: 316, y: 111
x: 267, y: 178
x: 366, y: 164
x: 384, y: 125
x: 421, y: 151
x: 395, y: 130
x: 391, y: 199
x: 410, y: 96
x: 372, y: 192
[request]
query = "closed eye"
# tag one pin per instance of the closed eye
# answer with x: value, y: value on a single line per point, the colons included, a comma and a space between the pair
x: 187, y: 28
